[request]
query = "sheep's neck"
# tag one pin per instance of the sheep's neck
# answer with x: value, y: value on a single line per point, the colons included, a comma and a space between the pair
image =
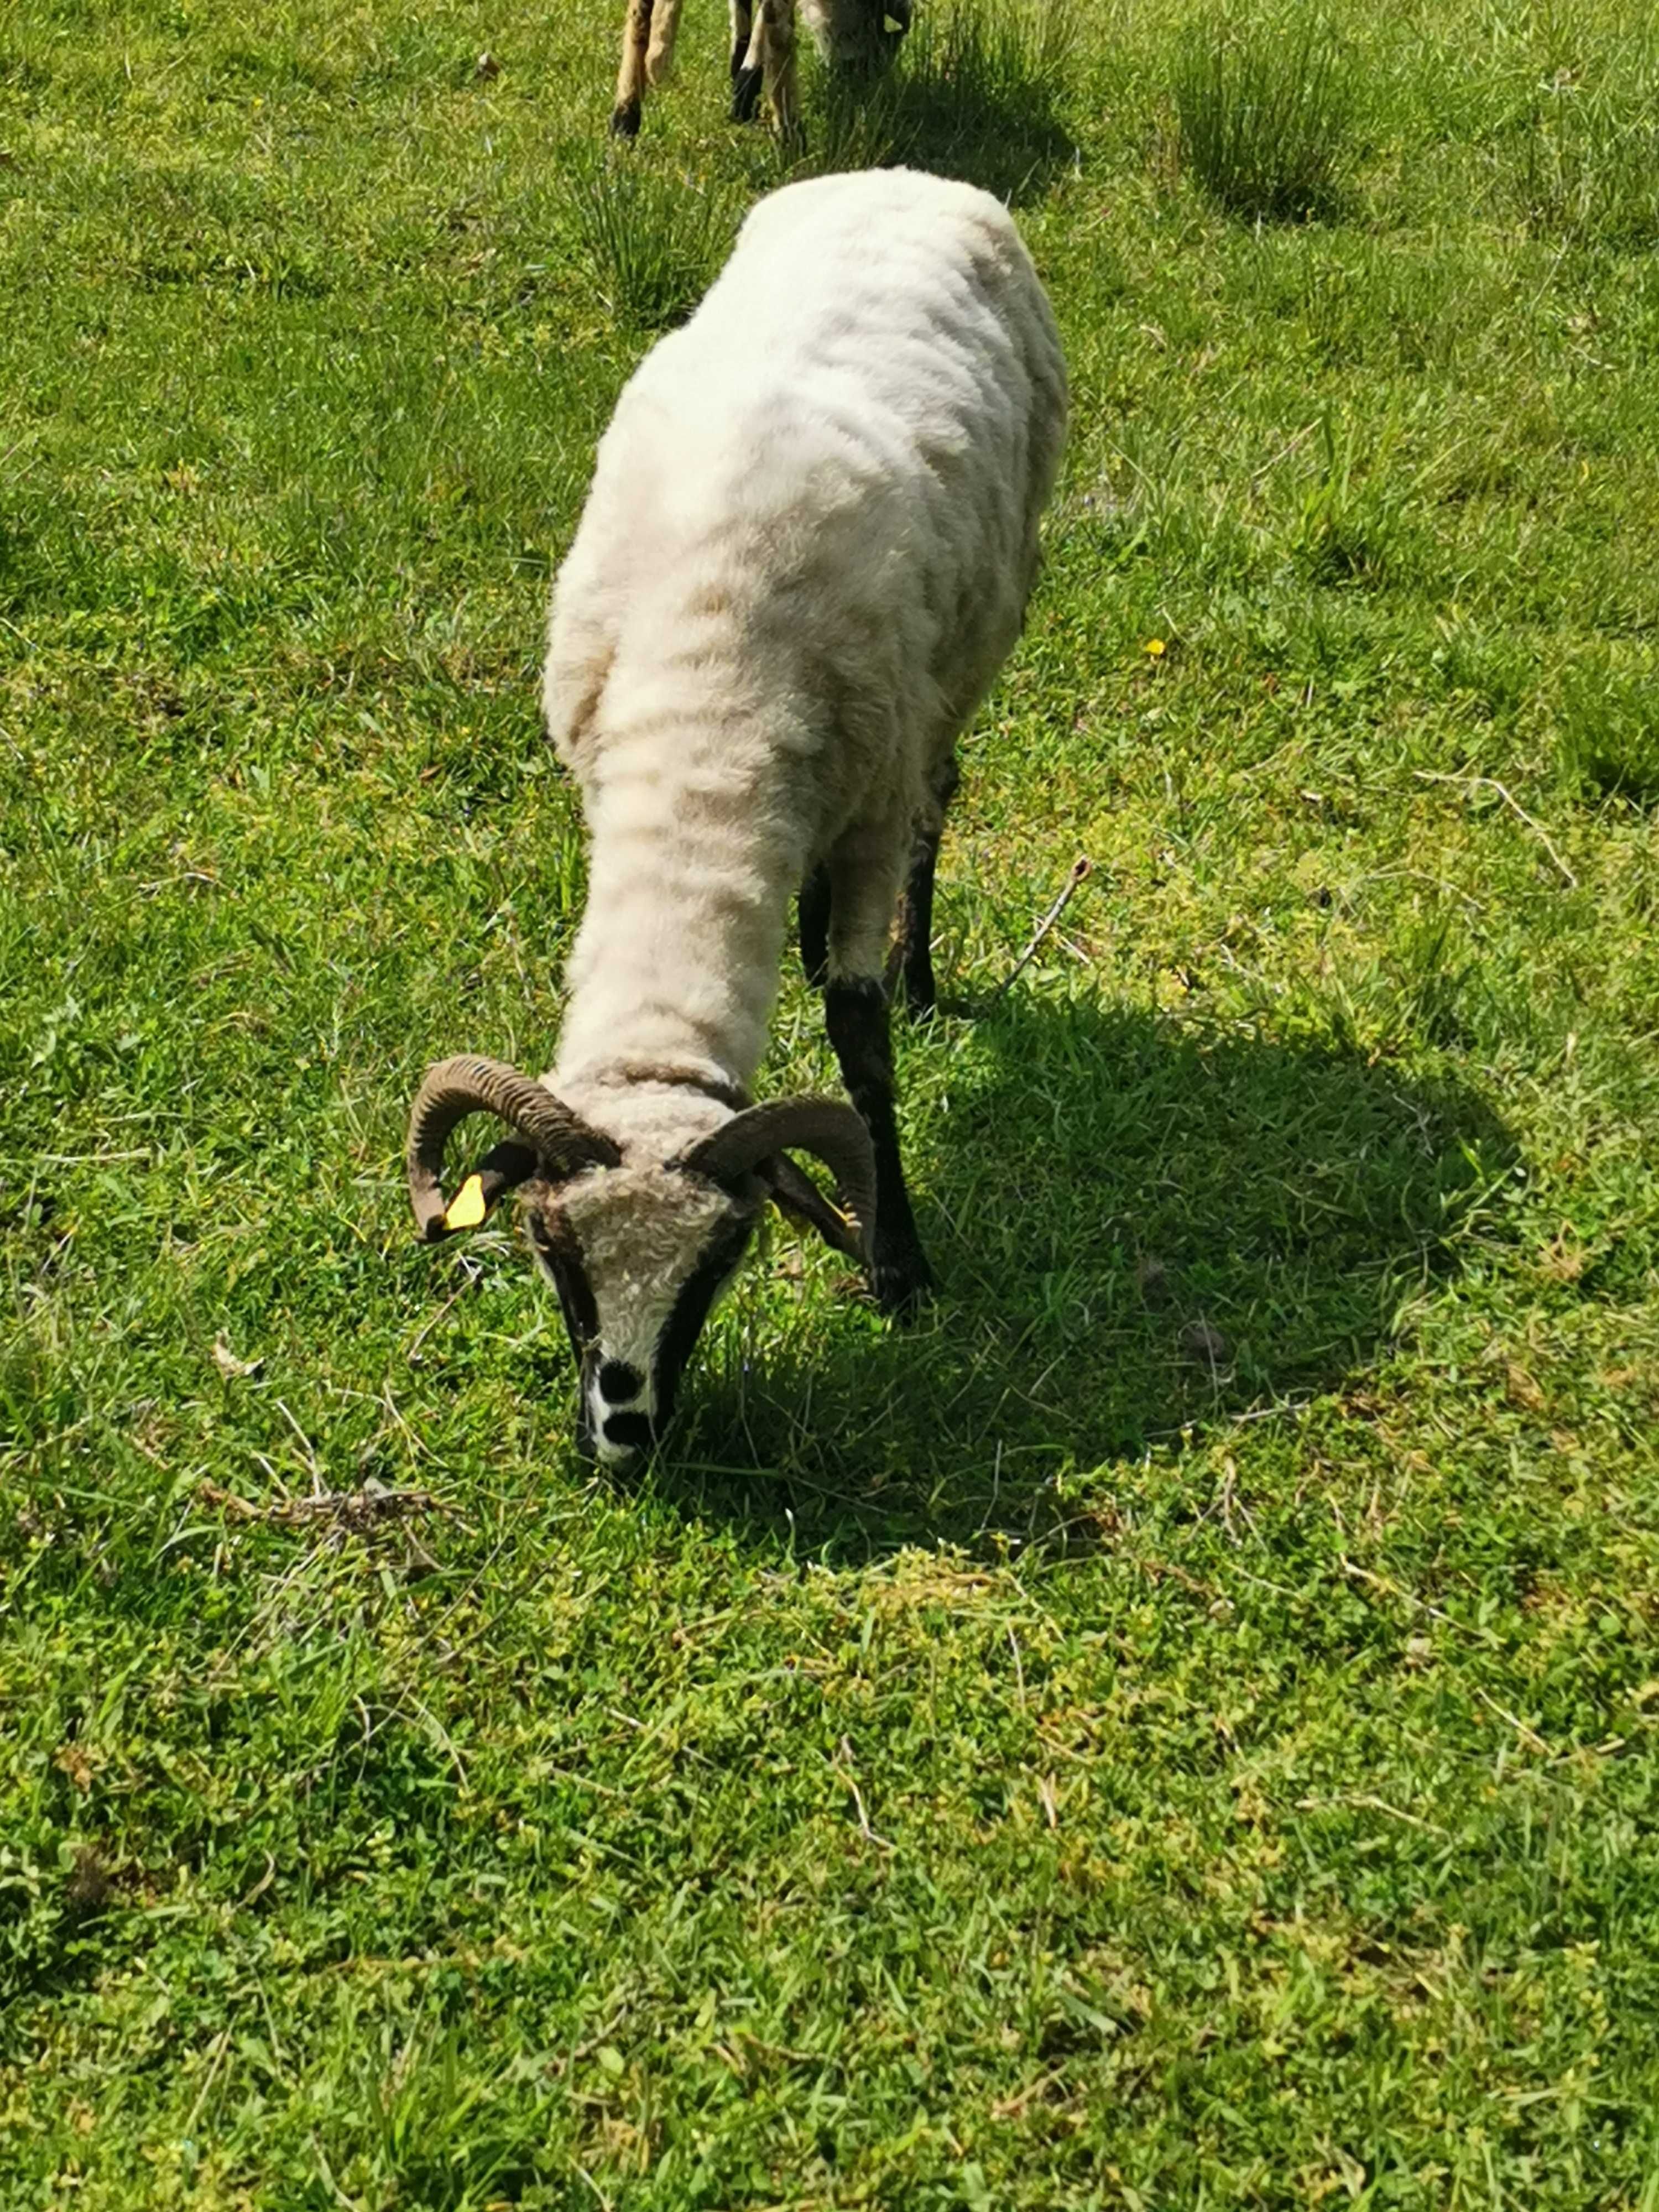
x: 674, y: 967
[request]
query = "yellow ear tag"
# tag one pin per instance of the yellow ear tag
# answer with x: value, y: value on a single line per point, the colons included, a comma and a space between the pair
x: 467, y: 1208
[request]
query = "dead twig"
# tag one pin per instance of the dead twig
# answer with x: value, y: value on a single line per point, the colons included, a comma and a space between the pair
x: 1364, y: 1798
x: 848, y: 1777
x: 1283, y: 454
x: 357, y: 1510
x: 1013, y: 2108
x: 1491, y: 783
x: 472, y: 1274
x: 1528, y: 1735
x: 1082, y: 869
x: 1409, y: 1597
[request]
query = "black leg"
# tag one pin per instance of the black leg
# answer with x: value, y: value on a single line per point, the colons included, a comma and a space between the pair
x: 855, y: 1014
x: 916, y: 940
x: 742, y: 25
x: 745, y: 83
x: 813, y: 912
x: 916, y: 930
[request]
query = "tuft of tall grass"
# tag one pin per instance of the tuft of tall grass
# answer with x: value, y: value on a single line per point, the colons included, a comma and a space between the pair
x: 1589, y: 164
x: 1609, y: 737
x: 1265, y: 110
x: 649, y: 240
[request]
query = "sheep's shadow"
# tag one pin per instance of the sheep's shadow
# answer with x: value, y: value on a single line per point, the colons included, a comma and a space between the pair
x: 1138, y: 1227
x: 974, y: 93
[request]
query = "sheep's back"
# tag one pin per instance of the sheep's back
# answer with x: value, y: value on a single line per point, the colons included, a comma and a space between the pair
x: 832, y: 476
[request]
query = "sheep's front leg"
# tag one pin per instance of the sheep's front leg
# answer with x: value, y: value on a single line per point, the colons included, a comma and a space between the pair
x: 864, y: 877
x: 630, y: 77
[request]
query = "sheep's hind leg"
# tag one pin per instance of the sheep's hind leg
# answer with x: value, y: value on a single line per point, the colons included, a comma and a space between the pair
x: 812, y: 915
x: 864, y: 872
x: 630, y: 77
x: 916, y: 929
x: 855, y: 1014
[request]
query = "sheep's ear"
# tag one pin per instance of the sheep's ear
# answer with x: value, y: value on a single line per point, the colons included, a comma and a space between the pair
x: 794, y: 1193
x: 468, y: 1207
x: 501, y: 1170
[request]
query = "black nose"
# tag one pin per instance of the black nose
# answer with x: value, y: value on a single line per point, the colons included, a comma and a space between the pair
x: 618, y: 1381
x: 632, y: 1431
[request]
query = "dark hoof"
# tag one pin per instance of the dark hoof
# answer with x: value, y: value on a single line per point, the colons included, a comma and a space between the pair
x: 919, y: 997
x: 625, y: 120
x: 902, y: 1287
x: 746, y: 94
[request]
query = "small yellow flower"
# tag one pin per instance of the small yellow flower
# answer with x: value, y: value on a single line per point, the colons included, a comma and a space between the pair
x: 1157, y: 647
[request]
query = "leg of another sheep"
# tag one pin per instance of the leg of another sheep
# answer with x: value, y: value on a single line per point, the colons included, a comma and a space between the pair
x: 916, y: 930
x: 630, y: 77
x: 864, y: 870
x: 768, y: 66
x: 748, y: 48
x: 782, y: 97
x: 664, y: 29
x: 743, y: 29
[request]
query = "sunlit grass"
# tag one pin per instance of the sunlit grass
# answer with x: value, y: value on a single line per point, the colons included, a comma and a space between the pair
x: 650, y: 238
x: 1264, y: 110
x: 1177, y: 1726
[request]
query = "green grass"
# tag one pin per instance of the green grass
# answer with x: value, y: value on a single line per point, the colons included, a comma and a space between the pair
x: 1178, y: 1728
x: 1265, y: 113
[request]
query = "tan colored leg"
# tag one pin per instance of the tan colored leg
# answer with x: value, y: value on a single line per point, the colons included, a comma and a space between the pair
x: 782, y: 98
x: 630, y: 77
x: 768, y: 66
x: 665, y: 27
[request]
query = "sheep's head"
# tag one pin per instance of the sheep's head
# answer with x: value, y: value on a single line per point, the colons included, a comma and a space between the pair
x: 637, y: 1248
x: 860, y: 36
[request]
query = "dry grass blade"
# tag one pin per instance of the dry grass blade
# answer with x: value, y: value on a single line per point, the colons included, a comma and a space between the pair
x: 357, y: 1511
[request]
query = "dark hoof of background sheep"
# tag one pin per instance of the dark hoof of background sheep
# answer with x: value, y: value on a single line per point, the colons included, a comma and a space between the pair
x: 746, y: 94
x: 625, y: 120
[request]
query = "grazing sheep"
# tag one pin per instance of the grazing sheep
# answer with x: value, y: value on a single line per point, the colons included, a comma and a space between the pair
x: 807, y: 548
x: 852, y: 35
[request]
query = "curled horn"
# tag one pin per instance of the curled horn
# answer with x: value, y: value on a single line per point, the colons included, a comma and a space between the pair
x: 831, y: 1131
x: 559, y: 1142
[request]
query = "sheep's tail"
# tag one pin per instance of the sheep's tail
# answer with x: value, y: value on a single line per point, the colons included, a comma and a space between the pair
x: 665, y: 27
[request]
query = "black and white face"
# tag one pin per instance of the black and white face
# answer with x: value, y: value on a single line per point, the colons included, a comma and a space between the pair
x: 638, y: 1256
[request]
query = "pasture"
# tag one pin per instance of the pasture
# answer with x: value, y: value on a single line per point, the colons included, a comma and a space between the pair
x: 1178, y: 1726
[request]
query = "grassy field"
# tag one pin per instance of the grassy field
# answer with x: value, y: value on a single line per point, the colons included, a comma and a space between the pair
x: 1177, y: 1729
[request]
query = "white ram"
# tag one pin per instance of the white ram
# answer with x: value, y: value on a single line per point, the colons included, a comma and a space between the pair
x: 807, y: 548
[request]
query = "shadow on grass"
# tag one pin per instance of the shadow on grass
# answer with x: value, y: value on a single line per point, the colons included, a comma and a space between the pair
x: 1138, y: 1229
x: 974, y: 94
